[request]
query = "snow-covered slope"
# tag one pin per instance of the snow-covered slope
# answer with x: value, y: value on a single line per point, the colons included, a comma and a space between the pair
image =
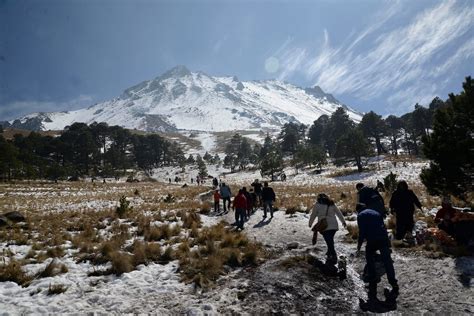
x: 184, y: 100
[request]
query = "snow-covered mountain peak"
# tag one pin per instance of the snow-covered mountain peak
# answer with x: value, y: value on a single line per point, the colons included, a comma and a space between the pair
x: 183, y: 100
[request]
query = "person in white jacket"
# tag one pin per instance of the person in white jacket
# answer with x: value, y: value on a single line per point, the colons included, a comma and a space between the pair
x: 326, y: 208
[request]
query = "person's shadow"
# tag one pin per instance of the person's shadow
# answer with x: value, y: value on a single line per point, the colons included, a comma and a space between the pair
x: 262, y: 223
x: 390, y: 303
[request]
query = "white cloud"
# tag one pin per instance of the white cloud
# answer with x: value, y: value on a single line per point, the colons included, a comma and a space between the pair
x: 401, y: 62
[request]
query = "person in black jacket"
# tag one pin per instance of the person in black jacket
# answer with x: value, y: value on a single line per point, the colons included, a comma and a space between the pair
x: 403, y: 204
x: 268, y: 197
x: 371, y: 198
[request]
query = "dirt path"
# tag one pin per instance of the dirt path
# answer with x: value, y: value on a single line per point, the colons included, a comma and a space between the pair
x: 287, y: 283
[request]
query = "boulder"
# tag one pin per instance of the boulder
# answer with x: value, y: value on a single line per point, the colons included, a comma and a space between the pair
x: 15, y: 217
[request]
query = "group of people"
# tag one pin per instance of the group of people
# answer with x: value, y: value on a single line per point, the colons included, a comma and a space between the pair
x: 245, y: 202
x: 371, y: 212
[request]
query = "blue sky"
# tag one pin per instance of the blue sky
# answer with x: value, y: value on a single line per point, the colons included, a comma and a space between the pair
x: 372, y: 55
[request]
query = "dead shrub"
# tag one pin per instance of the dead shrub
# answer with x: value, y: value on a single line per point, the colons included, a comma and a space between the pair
x: 292, y: 261
x: 153, y: 251
x: 190, y: 219
x: 56, y: 289
x: 121, y: 262
x: 52, y: 269
x: 231, y: 257
x: 251, y: 254
x: 55, y: 252
x: 157, y: 233
x: 13, y: 272
x: 139, y: 253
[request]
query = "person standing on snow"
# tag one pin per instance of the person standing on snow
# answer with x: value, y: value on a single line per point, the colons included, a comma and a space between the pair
x: 326, y: 208
x: 372, y: 230
x: 225, y: 195
x: 257, y: 188
x: 217, y: 198
x: 268, y: 197
x: 240, y: 205
x: 403, y: 204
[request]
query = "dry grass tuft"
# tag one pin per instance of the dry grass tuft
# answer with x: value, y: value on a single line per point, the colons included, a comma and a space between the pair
x: 13, y: 272
x: 56, y: 289
x: 52, y: 269
x: 121, y: 262
x: 292, y: 261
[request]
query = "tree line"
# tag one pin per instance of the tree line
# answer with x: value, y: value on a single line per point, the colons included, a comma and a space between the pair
x: 442, y: 132
x: 84, y: 150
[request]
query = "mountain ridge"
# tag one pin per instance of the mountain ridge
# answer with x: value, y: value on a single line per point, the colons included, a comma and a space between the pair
x: 180, y: 99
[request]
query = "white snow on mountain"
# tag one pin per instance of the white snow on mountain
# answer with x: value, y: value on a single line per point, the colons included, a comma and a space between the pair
x: 184, y: 100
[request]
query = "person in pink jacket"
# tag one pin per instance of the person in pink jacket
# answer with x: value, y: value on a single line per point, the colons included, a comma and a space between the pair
x: 326, y: 208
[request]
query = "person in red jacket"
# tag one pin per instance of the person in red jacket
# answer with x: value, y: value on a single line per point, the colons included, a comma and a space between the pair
x: 240, y: 206
x: 217, y: 198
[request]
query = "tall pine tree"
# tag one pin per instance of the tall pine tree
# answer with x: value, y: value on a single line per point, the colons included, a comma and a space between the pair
x: 450, y: 147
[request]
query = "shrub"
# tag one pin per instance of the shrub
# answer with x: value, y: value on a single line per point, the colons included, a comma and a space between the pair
x: 190, y: 218
x: 153, y: 251
x: 13, y: 272
x: 56, y: 289
x: 52, y: 269
x: 123, y: 208
x: 121, y: 262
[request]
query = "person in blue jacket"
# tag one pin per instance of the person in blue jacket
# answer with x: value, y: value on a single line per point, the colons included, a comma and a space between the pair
x: 372, y: 230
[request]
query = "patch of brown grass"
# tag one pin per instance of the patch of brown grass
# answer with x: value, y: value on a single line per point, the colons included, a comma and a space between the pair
x: 13, y: 272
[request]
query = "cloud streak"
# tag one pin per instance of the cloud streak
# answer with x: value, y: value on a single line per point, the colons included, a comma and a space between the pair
x: 407, y: 62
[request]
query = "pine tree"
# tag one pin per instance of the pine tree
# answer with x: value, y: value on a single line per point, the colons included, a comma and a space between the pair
x: 353, y: 146
x: 201, y: 167
x: 318, y: 131
x: 394, y: 125
x: 339, y: 125
x: 373, y: 126
x: 450, y: 147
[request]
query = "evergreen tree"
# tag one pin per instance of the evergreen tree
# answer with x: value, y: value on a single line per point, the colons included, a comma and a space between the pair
x: 394, y: 125
x: 339, y: 126
x: 272, y: 163
x: 207, y: 157
x: 373, y: 126
x: 318, y: 131
x: 291, y: 135
x: 190, y: 160
x: 450, y: 147
x: 352, y: 146
x: 8, y: 159
x: 201, y: 167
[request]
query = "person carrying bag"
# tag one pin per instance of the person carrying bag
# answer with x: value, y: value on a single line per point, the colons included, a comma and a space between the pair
x: 326, y: 211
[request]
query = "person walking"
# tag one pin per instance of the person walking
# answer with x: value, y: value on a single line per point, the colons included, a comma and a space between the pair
x: 225, y: 195
x: 248, y: 208
x: 326, y: 208
x: 371, y: 198
x: 402, y: 204
x: 268, y: 197
x: 217, y: 198
x: 240, y: 205
x: 372, y: 230
x: 257, y: 188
